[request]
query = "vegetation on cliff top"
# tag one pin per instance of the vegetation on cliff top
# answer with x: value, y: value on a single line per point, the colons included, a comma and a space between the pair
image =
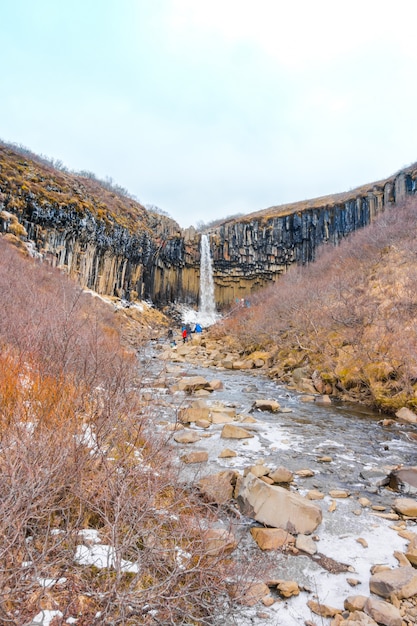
x: 317, y: 203
x: 25, y: 176
x: 349, y: 319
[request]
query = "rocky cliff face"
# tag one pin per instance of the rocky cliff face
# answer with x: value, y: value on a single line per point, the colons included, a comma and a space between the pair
x: 251, y: 251
x: 115, y: 247
x: 254, y: 250
x: 106, y: 241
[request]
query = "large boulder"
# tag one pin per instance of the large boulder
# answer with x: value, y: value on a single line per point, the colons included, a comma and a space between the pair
x: 401, y: 582
x: 277, y: 507
x: 382, y: 612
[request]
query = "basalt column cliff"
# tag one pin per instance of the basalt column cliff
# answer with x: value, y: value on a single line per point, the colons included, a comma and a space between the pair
x: 110, y: 243
x: 251, y: 251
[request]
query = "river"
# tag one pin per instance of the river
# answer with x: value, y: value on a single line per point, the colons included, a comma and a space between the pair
x: 361, y: 450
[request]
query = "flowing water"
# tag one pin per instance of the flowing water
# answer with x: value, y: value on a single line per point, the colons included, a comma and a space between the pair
x: 362, y: 453
x: 207, y: 309
x: 206, y: 314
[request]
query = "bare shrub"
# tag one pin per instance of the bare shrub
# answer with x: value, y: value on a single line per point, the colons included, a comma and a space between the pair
x: 350, y: 314
x: 94, y: 517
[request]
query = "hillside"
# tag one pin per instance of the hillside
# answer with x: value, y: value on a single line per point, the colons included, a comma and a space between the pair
x: 24, y: 175
x: 281, y: 210
x: 346, y: 322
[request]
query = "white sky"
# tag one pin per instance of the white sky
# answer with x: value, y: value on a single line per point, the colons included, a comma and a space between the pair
x: 208, y: 108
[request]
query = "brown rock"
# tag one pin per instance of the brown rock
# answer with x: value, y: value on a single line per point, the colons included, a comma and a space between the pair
x: 221, y: 418
x: 247, y: 419
x: 288, y: 588
x: 402, y: 559
x: 259, y: 470
x: 305, y: 473
x: 271, y: 538
x: 254, y: 594
x: 355, y: 603
x: 193, y: 413
x: 401, y: 582
x: 406, y: 506
x: 323, y: 399
x: 321, y: 609
x: 227, y: 454
x: 407, y: 416
x: 338, y: 493
x: 203, y: 424
x: 186, y: 436
x: 306, y: 544
x: 281, y: 475
x: 358, y: 618
x: 277, y: 507
x: 218, y: 488
x: 197, y: 456
x: 315, y: 494
x: 411, y: 552
x: 189, y: 384
x: 242, y: 365
x: 266, y: 405
x: 223, y: 409
x: 382, y: 612
x: 230, y: 431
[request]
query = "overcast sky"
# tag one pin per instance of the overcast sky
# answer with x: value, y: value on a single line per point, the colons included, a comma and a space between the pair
x: 207, y: 108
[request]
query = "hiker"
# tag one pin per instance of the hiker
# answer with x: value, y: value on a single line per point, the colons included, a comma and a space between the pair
x: 184, y: 335
x: 198, y: 328
x: 170, y: 334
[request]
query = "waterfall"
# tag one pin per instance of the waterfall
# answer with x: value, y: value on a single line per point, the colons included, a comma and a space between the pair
x: 207, y: 308
x: 206, y: 314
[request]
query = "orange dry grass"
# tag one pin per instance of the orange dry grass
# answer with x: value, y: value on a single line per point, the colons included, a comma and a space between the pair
x: 29, y: 396
x: 350, y: 315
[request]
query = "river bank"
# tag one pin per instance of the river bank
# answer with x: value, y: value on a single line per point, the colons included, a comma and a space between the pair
x: 339, y: 457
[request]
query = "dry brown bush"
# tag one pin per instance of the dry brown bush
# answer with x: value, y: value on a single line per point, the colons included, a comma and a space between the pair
x: 78, y: 450
x: 350, y: 315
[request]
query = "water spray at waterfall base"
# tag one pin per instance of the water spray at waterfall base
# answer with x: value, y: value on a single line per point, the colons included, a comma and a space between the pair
x: 206, y: 314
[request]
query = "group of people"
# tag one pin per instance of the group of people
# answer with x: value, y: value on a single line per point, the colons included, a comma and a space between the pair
x: 186, y: 331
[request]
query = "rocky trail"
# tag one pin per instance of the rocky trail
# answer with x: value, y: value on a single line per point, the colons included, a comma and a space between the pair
x: 325, y: 491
